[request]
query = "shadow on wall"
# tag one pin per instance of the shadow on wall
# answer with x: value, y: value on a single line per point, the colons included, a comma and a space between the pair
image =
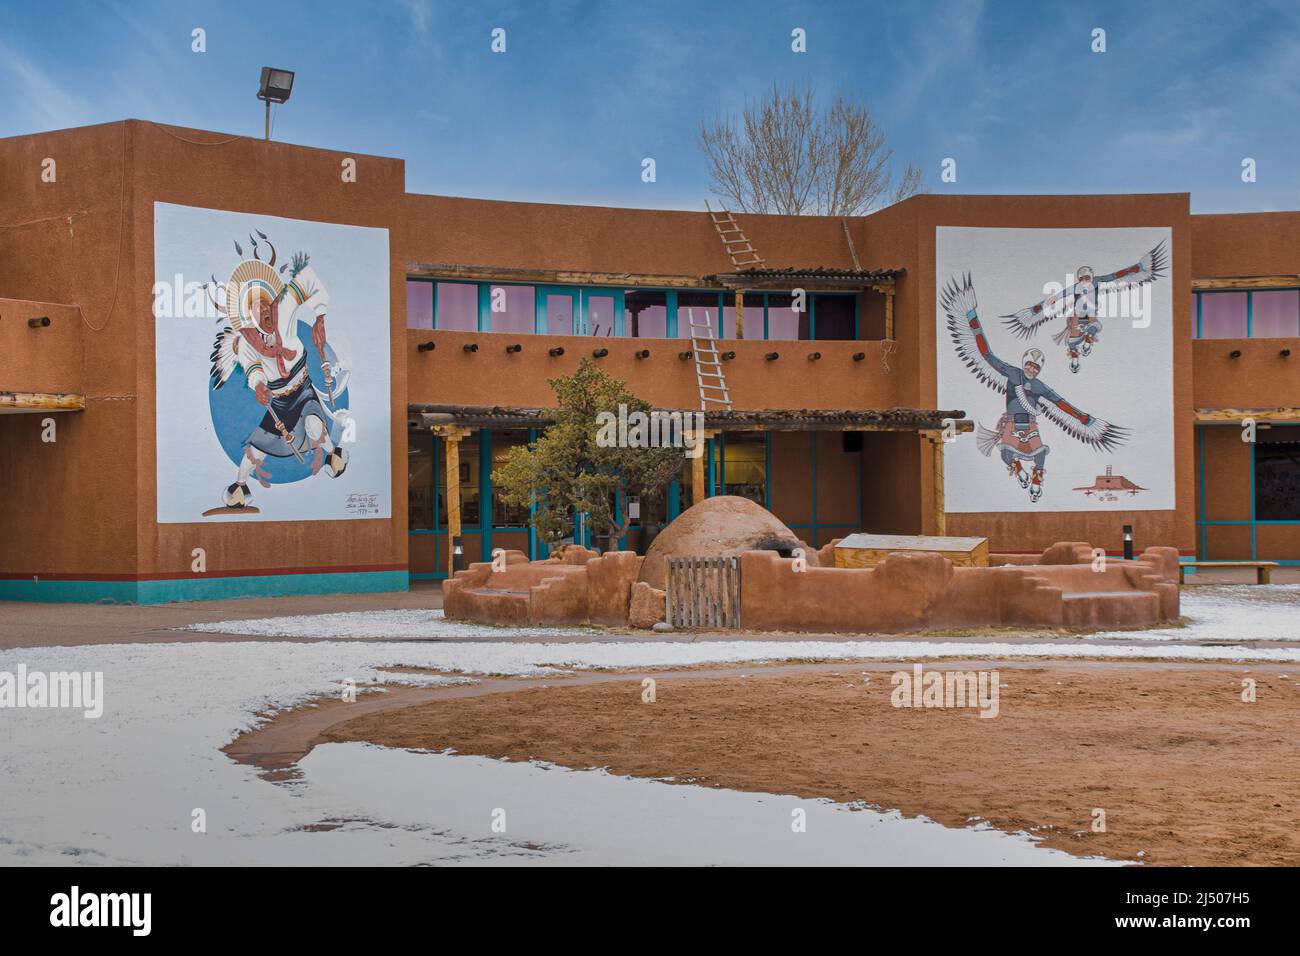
x: 905, y: 592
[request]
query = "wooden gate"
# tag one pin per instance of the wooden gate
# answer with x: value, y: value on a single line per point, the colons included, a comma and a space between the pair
x: 704, y: 592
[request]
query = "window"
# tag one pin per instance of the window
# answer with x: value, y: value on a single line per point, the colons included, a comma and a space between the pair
x: 1270, y: 314
x: 753, y: 316
x: 835, y: 316
x: 557, y: 313
x: 419, y: 304
x: 457, y: 306
x: 512, y: 308
x: 646, y: 314
x: 600, y: 314
x: 701, y: 308
x: 419, y: 475
x: 1223, y: 315
x: 783, y: 322
x: 506, y: 515
x: 744, y: 465
x: 468, y: 480
x: 1277, y: 474
x: 1275, y: 315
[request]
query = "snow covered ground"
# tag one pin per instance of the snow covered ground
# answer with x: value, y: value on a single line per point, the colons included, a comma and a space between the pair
x: 125, y: 788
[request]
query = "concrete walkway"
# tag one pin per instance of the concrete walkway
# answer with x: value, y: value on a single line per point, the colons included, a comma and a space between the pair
x: 25, y: 624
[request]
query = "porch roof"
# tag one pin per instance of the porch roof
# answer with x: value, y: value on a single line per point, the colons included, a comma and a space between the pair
x: 768, y: 419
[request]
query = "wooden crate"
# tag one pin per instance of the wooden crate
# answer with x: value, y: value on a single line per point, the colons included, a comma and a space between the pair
x: 868, y: 550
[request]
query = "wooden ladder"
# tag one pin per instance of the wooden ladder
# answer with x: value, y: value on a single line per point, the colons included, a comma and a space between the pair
x: 708, y: 363
x: 733, y: 238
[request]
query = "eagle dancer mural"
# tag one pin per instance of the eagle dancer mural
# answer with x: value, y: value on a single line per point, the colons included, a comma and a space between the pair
x: 266, y: 315
x: 1016, y: 434
x: 1077, y: 305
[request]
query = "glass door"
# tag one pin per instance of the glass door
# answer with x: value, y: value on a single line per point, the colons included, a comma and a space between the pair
x: 602, y: 312
x: 557, y: 311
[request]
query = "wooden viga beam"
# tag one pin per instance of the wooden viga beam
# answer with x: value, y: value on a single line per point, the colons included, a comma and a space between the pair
x: 41, y: 402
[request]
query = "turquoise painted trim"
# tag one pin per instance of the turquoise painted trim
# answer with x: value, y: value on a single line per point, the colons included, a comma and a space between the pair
x: 674, y: 499
x: 710, y: 482
x: 1199, y: 299
x: 484, y: 307
x: 1200, y: 450
x: 1253, y: 517
x: 485, y: 493
x: 203, y: 589
x: 532, y: 510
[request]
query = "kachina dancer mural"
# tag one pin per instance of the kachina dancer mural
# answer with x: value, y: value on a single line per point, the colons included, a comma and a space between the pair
x: 1016, y: 435
x: 1077, y: 305
x: 294, y: 414
x: 262, y: 340
x: 1120, y: 413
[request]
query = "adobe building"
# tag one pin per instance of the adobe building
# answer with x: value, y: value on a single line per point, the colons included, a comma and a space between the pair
x: 233, y: 367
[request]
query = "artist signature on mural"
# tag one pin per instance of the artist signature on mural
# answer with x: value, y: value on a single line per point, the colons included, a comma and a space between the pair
x: 362, y: 504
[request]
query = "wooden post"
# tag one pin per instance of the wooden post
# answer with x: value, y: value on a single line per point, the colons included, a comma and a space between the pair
x: 940, y: 515
x: 697, y: 470
x: 451, y: 437
x: 740, y: 314
x: 889, y: 315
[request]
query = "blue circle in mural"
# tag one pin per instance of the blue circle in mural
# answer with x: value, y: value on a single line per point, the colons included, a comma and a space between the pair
x: 236, y: 412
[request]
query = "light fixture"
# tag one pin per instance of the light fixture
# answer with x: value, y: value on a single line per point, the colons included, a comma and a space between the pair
x: 772, y: 356
x: 814, y: 356
x: 514, y: 348
x: 1285, y: 353
x: 557, y: 351
x: 728, y: 355
x: 1235, y: 354
x: 425, y: 347
x: 685, y: 355
x: 599, y: 353
x: 274, y: 87
x: 859, y: 356
x: 643, y: 353
x: 470, y: 346
x: 39, y: 323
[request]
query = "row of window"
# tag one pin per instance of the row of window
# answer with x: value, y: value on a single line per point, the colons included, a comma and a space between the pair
x: 742, y: 464
x: 635, y: 313
x: 1270, y: 314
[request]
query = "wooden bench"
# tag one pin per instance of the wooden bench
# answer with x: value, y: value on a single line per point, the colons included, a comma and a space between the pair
x: 1263, y: 569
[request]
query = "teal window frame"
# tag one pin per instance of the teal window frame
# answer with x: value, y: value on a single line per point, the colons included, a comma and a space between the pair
x: 1250, y: 308
x: 1204, y: 523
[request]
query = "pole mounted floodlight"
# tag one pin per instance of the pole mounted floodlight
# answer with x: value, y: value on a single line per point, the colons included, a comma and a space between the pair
x: 275, y: 87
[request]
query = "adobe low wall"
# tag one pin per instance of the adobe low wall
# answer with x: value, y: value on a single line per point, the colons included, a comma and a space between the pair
x: 579, y: 588
x: 910, y: 592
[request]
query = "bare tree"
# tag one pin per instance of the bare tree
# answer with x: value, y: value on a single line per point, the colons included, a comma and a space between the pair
x: 784, y: 156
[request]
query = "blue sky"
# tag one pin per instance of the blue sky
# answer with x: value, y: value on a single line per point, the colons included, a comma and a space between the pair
x: 585, y: 90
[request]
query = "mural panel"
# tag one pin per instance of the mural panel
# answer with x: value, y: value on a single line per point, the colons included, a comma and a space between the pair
x: 272, y: 368
x: 1058, y: 344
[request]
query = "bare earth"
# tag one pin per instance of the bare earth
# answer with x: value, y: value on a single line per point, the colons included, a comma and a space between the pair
x: 1186, y: 772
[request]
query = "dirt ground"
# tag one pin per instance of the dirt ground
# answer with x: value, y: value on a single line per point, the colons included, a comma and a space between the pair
x: 1186, y: 772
